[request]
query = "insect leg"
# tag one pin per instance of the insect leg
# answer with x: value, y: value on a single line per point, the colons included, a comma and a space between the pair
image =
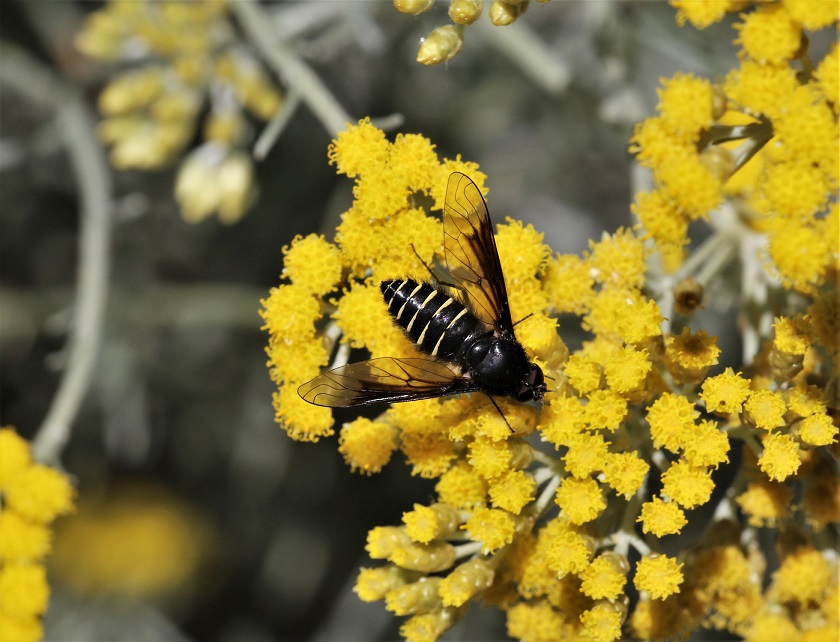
x: 499, y: 410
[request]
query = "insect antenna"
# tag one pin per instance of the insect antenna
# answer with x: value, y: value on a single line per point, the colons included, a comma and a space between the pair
x: 435, y: 278
x: 530, y: 314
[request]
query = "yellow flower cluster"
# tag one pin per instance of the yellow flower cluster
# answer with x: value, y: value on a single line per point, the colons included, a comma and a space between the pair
x: 536, y: 508
x: 774, y: 119
x: 446, y: 41
x: 183, y: 63
x: 31, y: 497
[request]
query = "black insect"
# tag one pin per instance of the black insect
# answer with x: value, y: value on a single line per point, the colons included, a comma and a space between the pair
x: 469, y: 337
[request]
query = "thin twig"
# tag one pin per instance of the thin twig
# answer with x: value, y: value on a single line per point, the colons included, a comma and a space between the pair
x: 294, y: 71
x: 23, y: 74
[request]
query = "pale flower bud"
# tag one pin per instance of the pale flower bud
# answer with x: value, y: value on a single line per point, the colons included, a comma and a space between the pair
x: 441, y: 45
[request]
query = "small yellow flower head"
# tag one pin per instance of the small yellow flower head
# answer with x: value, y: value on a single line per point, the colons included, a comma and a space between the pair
x: 767, y: 625
x: 687, y: 485
x: 825, y: 319
x: 580, y: 500
x: 15, y: 455
x: 800, y: 253
x: 492, y: 527
x: 725, y: 393
x: 568, y: 283
x: 804, y: 576
x: 625, y: 473
x: 302, y: 421
x: 373, y: 584
x: 426, y: 523
x: 537, y: 621
x: 602, y: 622
x: 761, y: 89
x: 685, y: 103
x: 214, y: 178
x: 701, y: 13
x: 363, y: 316
x: 441, y: 45
x: 427, y: 558
x: 313, y: 263
x: 639, y: 321
x: 359, y: 148
x: 626, y: 369
x: 417, y: 597
x: 661, y: 518
x: 429, y: 452
x: 765, y: 409
x: 512, y: 491
x: 587, y: 454
x: 706, y: 445
x: 466, y: 581
x: 23, y: 590
x: 367, y: 445
x: 605, y: 410
x: 567, y: 551
x: 27, y: 629
x: 583, y: 373
x: 618, y: 260
x: 812, y: 15
x: 664, y: 222
x: 816, y: 430
x: 689, y: 356
x: 22, y: 540
x: 671, y: 417
x: 780, y: 458
x: 691, y: 184
x: 764, y: 503
x: 39, y: 494
x: 769, y: 34
x: 792, y: 335
x: 827, y: 73
x: 605, y: 577
x: 804, y: 400
x: 462, y: 486
x: 430, y: 626
x: 659, y: 575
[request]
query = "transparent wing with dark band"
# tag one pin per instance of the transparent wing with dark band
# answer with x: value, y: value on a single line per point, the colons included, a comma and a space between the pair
x: 384, y: 380
x: 471, y: 255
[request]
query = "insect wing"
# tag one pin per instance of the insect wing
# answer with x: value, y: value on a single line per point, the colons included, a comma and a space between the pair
x: 471, y: 255
x: 383, y: 380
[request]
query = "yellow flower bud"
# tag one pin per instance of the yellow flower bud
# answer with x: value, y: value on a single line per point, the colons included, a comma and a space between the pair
x: 413, y: 7
x: 441, y: 45
x: 465, y: 12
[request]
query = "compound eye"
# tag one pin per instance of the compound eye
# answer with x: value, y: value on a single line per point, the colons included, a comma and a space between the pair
x: 535, y: 376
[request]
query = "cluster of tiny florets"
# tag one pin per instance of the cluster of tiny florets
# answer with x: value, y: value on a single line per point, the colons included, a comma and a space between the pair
x: 178, y: 61
x: 537, y: 508
x: 32, y: 496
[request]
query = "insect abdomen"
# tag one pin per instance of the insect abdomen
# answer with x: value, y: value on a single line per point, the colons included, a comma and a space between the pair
x: 437, y: 323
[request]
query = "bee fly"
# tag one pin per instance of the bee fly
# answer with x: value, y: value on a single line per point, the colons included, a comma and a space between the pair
x: 469, y: 338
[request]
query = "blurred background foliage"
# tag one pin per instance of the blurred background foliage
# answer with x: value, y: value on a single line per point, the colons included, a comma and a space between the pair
x: 198, y: 518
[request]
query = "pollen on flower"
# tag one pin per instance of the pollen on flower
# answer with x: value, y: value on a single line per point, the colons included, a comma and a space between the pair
x: 567, y: 551
x: 769, y: 34
x: 413, y: 158
x: 580, y: 500
x: 801, y: 253
x: 583, y: 373
x: 301, y: 420
x: 625, y: 472
x: 792, y: 335
x: 626, y: 369
x: 538, y: 334
x: 512, y: 491
x: 817, y: 430
x: 367, y: 445
x: 618, y: 259
x: 430, y: 452
x: 827, y: 73
x: 761, y: 88
x: 765, y: 409
x: 671, y: 417
x: 659, y: 575
x: 765, y: 503
x: 21, y: 539
x: 568, y: 283
x: 562, y: 420
x: 23, y: 589
x: 780, y: 458
x: 804, y: 400
x: 812, y: 15
x: 605, y: 409
x: 537, y: 621
x: 706, y: 445
x: 358, y: 147
x: 654, y: 143
x: 521, y: 250
x: 692, y: 186
x: 492, y: 527
x: 726, y: 392
x: 687, y: 485
x: 804, y: 576
x: 639, y: 320
x: 290, y: 312
x: 313, y: 263
x: 702, y: 13
x: 587, y: 454
x: 796, y: 189
x: 685, y: 103
x: 462, y: 486
x: 661, y: 219
x: 605, y: 577
x: 363, y: 316
x: 39, y: 494
x: 602, y: 622
x: 661, y: 518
